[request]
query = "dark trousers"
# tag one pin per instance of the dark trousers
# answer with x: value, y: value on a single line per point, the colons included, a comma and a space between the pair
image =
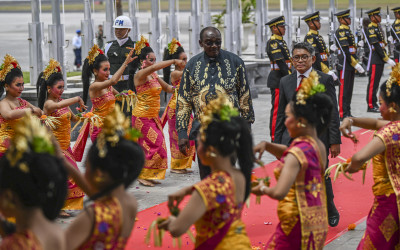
x: 329, y: 194
x: 375, y: 75
x: 345, y: 92
x: 274, y: 112
x: 78, y: 57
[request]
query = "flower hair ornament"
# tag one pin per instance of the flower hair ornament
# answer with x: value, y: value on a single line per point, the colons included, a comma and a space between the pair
x: 173, y: 46
x: 9, y: 63
x: 219, y: 110
x: 114, y: 126
x: 309, y: 87
x: 394, y: 78
x: 139, y: 45
x: 93, y: 53
x: 52, y: 67
x: 30, y: 137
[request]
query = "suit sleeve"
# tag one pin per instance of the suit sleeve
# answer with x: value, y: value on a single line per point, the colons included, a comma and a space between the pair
x: 333, y: 129
x: 280, y: 119
x: 183, y: 105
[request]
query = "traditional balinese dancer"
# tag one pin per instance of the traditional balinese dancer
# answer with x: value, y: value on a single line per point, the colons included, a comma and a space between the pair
x: 145, y: 116
x: 179, y: 162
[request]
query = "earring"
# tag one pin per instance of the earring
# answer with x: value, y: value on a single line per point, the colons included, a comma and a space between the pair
x: 392, y: 110
x: 211, y: 154
x: 98, y: 179
x: 300, y: 125
x: 95, y: 74
x: 48, y: 90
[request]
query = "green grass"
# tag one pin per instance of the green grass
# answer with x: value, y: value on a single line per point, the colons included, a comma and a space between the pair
x: 27, y: 75
x: 215, y: 5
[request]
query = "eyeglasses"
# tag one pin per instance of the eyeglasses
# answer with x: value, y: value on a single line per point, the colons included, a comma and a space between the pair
x: 211, y: 43
x: 302, y: 57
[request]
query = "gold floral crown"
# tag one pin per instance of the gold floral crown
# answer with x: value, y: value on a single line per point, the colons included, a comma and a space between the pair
x: 93, y: 53
x: 173, y: 46
x: 219, y: 109
x: 9, y: 63
x: 309, y: 87
x: 139, y: 45
x: 115, y: 125
x: 394, y: 78
x: 30, y: 136
x: 52, y: 67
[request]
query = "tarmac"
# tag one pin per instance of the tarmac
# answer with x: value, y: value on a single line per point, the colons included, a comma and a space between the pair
x: 13, y: 40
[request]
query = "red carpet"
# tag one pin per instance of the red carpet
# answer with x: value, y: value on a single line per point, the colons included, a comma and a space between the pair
x: 352, y: 198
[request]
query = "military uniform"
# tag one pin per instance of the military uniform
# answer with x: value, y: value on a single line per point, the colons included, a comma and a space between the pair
x: 317, y: 41
x: 281, y: 64
x: 116, y: 56
x: 395, y: 32
x: 348, y: 60
x: 376, y: 60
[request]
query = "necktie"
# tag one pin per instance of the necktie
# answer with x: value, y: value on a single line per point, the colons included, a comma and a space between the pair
x: 302, y: 78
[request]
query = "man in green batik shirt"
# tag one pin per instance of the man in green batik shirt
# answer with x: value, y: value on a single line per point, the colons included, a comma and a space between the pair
x: 207, y: 75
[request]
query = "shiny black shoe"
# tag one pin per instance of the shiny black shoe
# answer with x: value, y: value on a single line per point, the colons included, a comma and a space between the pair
x: 373, y: 110
x: 334, y: 220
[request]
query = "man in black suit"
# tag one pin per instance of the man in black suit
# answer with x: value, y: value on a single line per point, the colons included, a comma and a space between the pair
x: 303, y: 56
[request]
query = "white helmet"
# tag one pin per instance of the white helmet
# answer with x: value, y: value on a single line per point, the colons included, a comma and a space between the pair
x: 122, y: 22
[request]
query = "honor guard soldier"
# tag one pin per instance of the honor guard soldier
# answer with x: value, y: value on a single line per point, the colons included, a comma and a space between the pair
x: 281, y: 64
x: 348, y: 62
x: 377, y: 58
x: 395, y: 34
x: 117, y: 50
x: 317, y: 41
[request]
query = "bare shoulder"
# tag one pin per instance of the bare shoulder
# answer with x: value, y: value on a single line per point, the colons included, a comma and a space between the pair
x: 51, y: 237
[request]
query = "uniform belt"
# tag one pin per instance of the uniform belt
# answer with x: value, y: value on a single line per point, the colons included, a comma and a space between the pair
x: 122, y: 78
x: 352, y: 50
x: 274, y: 66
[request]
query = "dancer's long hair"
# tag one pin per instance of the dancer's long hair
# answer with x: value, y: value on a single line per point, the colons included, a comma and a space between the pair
x: 87, y: 72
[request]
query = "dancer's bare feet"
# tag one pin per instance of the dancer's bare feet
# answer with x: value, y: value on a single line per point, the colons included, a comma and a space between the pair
x: 181, y: 171
x: 154, y: 182
x: 146, y: 183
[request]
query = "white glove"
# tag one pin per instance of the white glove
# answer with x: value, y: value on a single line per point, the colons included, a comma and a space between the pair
x: 359, y: 68
x: 333, y: 47
x: 390, y: 39
x: 334, y: 76
x: 361, y: 43
x: 391, y: 62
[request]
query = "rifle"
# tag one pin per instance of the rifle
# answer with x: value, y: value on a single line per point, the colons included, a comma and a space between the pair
x: 388, y: 30
x: 298, y: 32
x: 333, y: 54
x: 360, y: 50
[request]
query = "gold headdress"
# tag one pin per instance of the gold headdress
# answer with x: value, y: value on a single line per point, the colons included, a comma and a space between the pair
x: 53, y: 67
x: 141, y: 44
x: 309, y: 87
x: 173, y: 46
x: 30, y: 136
x: 93, y: 53
x: 114, y: 126
x: 9, y: 63
x: 394, y: 78
x: 219, y: 109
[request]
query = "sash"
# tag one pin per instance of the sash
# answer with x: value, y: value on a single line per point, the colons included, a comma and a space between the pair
x: 344, y: 56
x: 79, y: 146
x: 370, y: 50
x: 212, y: 243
